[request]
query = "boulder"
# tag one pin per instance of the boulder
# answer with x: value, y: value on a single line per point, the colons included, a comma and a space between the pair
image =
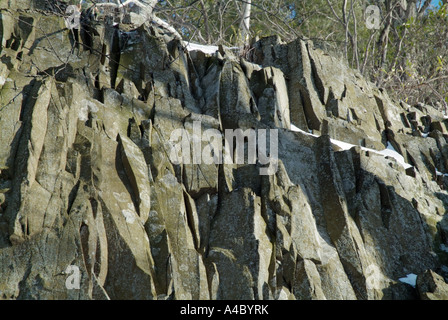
x: 432, y: 286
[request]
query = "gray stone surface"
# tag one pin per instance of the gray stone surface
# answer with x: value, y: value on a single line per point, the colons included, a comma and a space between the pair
x: 86, y: 177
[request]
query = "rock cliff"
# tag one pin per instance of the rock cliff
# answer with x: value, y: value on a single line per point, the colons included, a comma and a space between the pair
x: 357, y: 202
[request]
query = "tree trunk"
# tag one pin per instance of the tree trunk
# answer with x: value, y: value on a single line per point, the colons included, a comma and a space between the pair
x: 245, y: 22
x: 384, y: 39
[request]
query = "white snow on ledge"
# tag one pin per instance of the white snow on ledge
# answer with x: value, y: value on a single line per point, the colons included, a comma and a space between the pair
x: 295, y: 129
x: 207, y: 49
x: 441, y: 173
x: 410, y: 279
x: 391, y: 152
x: 200, y: 47
x: 388, y: 152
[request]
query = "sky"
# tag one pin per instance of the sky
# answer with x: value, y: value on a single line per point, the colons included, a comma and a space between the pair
x: 435, y: 3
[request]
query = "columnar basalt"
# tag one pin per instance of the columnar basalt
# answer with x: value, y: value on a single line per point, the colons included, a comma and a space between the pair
x: 86, y: 177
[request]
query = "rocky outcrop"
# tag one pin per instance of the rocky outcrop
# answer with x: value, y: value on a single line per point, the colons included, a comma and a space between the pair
x: 88, y: 185
x: 432, y: 286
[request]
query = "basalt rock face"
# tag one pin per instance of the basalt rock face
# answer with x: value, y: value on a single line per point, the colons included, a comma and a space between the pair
x: 87, y: 181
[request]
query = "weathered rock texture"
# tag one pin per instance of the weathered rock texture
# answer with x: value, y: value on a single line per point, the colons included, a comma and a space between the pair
x: 86, y: 179
x: 432, y: 286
